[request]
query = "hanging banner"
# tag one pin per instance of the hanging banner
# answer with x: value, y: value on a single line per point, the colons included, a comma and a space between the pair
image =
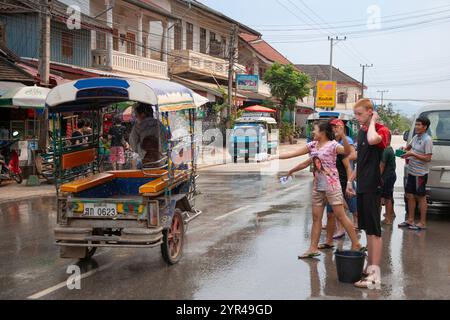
x: 326, y: 94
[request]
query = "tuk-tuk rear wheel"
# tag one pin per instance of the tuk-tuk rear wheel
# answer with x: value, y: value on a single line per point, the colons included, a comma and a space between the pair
x: 173, y: 239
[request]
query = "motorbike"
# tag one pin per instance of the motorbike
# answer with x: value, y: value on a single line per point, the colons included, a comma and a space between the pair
x: 9, y: 160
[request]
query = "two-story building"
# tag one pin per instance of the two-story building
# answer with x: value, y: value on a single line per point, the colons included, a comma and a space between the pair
x: 138, y: 40
x: 256, y: 55
x: 199, y: 48
x: 20, y: 32
x: 348, y: 89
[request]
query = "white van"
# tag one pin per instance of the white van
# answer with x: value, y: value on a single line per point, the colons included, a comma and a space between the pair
x: 438, y: 186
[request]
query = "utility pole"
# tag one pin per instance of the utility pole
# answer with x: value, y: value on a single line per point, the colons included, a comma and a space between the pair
x: 364, y: 66
x: 44, y: 66
x: 230, y: 71
x: 332, y: 40
x: 382, y: 95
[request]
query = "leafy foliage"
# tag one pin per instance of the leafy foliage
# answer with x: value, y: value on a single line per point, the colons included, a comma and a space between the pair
x: 392, y: 119
x: 287, y: 84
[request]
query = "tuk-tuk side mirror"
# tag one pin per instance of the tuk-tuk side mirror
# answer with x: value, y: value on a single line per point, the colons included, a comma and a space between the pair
x: 406, y: 135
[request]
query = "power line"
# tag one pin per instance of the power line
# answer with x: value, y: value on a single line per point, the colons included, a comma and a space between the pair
x: 369, y: 33
x: 354, y: 20
x: 332, y: 26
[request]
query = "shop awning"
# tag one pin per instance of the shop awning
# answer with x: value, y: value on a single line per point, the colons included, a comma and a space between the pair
x: 258, y: 108
x: 8, y: 85
x: 25, y: 97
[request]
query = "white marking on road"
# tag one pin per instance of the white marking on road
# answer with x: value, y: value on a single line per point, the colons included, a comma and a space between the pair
x: 232, y: 212
x: 63, y: 284
x: 291, y: 188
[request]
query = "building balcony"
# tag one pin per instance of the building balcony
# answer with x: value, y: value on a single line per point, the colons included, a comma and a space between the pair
x: 188, y: 63
x: 129, y: 63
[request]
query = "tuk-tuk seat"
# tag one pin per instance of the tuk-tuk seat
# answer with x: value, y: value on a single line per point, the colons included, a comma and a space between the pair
x: 138, y: 173
x: 159, y: 184
x: 86, y: 183
x: 78, y: 158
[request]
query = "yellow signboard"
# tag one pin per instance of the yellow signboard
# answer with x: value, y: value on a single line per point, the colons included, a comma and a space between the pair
x: 326, y: 94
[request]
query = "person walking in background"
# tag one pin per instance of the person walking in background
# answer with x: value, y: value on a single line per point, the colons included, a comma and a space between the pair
x: 326, y: 186
x: 388, y: 177
x: 418, y: 155
x: 104, y: 150
x: 117, y: 136
x: 372, y: 140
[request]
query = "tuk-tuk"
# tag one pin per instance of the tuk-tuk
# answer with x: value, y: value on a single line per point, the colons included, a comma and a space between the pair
x: 254, y: 135
x: 125, y: 208
x: 351, y: 125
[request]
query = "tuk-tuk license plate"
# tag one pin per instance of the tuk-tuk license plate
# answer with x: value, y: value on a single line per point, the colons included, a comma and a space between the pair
x: 99, y: 210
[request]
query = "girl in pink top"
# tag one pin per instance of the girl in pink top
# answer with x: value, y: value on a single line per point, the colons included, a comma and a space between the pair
x: 327, y: 188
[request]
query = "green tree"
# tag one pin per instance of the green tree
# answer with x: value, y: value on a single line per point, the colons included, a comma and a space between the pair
x: 287, y: 84
x: 392, y: 119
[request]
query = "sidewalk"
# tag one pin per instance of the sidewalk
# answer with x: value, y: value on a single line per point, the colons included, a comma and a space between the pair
x: 11, y: 191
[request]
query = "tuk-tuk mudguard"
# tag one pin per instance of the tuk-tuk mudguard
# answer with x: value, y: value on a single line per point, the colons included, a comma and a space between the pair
x: 178, y: 201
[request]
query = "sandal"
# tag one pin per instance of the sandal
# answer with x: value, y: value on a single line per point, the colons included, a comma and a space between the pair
x: 404, y: 224
x: 416, y: 227
x: 325, y: 246
x: 339, y: 236
x: 368, y: 283
x: 309, y: 255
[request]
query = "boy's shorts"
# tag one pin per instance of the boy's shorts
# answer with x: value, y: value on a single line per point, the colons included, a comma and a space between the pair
x: 369, y: 214
x: 387, y: 191
x: 416, y: 185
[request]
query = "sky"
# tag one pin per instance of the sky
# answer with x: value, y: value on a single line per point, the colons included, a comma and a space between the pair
x: 412, y: 62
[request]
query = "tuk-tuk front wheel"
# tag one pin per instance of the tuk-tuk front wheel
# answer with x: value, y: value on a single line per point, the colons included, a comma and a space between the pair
x: 173, y: 239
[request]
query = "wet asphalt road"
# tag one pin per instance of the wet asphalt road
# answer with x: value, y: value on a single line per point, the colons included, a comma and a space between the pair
x: 243, y: 246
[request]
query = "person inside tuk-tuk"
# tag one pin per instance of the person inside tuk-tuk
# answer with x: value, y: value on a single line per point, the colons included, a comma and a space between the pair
x: 77, y: 134
x: 145, y: 137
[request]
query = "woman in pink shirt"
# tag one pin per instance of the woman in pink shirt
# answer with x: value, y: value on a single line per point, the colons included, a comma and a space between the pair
x: 327, y: 188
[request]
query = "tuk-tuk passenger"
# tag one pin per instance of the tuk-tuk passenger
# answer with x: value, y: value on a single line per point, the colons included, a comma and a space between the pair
x: 145, y: 135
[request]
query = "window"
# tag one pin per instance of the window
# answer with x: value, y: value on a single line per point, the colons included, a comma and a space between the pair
x: 202, y: 40
x: 262, y: 71
x: 224, y: 45
x: 342, y: 97
x: 131, y: 43
x: 100, y: 39
x: 115, y: 39
x: 439, y: 126
x: 67, y: 44
x: 189, y: 36
x: 178, y: 36
x: 215, y: 47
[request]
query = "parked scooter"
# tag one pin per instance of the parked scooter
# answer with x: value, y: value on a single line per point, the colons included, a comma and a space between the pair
x: 9, y: 160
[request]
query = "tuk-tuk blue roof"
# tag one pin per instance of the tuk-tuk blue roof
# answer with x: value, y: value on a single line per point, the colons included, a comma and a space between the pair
x: 98, y: 92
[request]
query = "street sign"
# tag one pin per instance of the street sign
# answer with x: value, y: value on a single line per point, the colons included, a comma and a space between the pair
x: 326, y: 94
x: 248, y: 82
